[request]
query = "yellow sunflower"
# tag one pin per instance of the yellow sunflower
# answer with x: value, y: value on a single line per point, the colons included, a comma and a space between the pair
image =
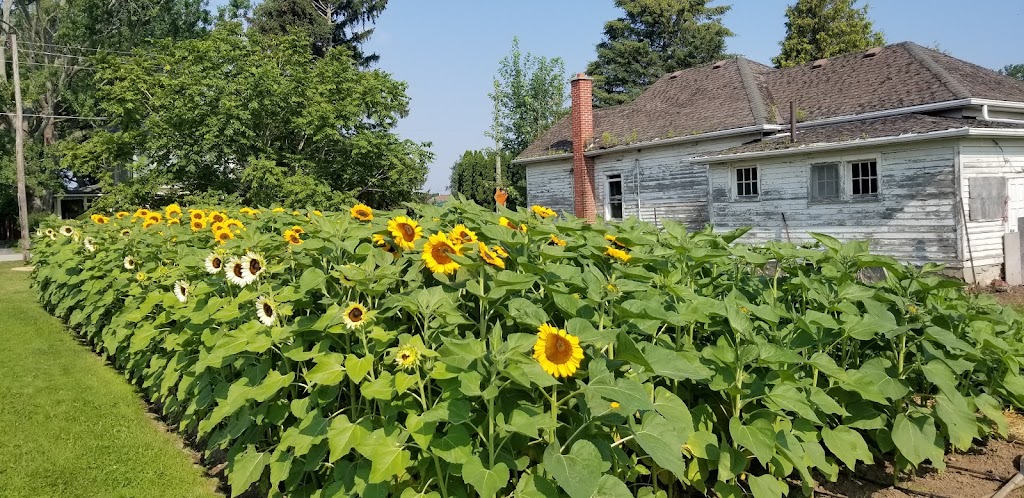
x: 500, y: 251
x: 407, y: 357
x: 196, y: 215
x: 218, y: 217
x: 122, y: 214
x: 297, y: 229
x: 292, y: 237
x: 197, y: 225
x: 148, y: 223
x: 490, y: 257
x: 140, y: 213
x: 543, y: 212
x: 437, y: 254
x: 618, y: 254
x: 505, y: 222
x: 234, y: 225
x: 558, y: 352
x: 99, y: 219
x: 174, y: 221
x: 278, y: 210
x: 614, y: 240
x: 355, y: 316
x: 555, y: 241
x: 405, y: 231
x: 362, y: 212
x: 223, y: 236
x: 462, y: 235
x: 172, y: 211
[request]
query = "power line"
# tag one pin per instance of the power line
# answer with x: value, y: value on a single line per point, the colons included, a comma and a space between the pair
x: 88, y: 118
x: 70, y: 47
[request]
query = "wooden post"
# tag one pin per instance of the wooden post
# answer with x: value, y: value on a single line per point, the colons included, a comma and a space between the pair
x: 792, y: 121
x: 19, y: 150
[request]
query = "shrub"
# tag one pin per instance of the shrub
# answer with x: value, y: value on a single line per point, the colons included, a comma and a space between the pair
x: 541, y: 357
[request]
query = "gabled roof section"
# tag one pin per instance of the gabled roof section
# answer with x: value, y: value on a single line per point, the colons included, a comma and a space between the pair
x: 689, y: 102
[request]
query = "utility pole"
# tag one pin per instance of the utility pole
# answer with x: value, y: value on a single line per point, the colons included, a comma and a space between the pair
x: 19, y: 150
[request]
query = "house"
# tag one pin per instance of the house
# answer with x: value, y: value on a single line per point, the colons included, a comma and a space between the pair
x: 918, y: 152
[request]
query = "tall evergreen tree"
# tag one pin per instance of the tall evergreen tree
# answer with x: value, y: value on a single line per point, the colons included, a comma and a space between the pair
x: 1013, y: 71
x: 818, y: 29
x: 473, y: 176
x: 654, y: 38
x: 330, y: 23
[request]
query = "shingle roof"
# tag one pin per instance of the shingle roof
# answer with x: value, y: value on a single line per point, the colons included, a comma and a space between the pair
x: 906, y: 124
x: 742, y: 93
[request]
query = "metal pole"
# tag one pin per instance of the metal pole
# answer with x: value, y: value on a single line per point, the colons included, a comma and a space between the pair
x: 19, y: 150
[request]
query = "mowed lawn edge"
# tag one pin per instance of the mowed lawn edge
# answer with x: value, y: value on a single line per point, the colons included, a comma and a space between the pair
x: 70, y: 425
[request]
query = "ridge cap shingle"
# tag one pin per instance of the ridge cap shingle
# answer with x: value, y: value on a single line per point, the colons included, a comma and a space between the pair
x: 951, y: 82
x: 750, y: 87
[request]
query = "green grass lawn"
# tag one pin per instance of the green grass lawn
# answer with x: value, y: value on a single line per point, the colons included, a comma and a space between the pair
x: 71, y: 425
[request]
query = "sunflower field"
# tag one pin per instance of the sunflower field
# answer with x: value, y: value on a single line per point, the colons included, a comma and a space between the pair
x: 455, y: 352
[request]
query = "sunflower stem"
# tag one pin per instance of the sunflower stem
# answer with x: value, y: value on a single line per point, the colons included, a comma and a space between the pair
x: 554, y: 412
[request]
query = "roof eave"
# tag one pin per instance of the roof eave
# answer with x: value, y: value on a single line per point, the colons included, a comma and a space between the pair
x: 831, y: 146
x: 543, y: 159
x: 689, y: 138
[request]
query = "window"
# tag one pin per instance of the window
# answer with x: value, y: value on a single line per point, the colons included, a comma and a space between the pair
x: 825, y: 184
x: 864, y: 178
x: 746, y: 182
x: 614, y: 207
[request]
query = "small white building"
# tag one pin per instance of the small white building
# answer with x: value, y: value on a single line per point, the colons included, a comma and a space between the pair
x: 920, y: 153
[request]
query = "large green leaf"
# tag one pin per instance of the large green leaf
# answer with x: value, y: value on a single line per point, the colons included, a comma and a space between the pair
x: 767, y: 486
x: 956, y: 414
x: 343, y: 435
x: 663, y: 441
x: 454, y: 446
x: 328, y: 370
x: 245, y: 469
x: 758, y: 437
x: 847, y: 445
x: 579, y: 472
x: 675, y: 365
x: 486, y: 481
x: 917, y: 440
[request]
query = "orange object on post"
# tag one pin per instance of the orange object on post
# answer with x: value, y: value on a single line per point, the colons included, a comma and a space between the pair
x: 500, y: 196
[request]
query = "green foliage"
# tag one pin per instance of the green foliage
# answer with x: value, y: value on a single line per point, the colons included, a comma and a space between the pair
x: 656, y: 37
x: 329, y: 23
x: 473, y: 177
x: 1014, y: 71
x: 707, y: 364
x: 529, y: 96
x: 818, y: 29
x: 256, y: 117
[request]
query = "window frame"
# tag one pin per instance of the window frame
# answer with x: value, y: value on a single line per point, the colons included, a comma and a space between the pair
x: 812, y: 185
x: 608, y: 179
x: 735, y: 183
x: 877, y: 195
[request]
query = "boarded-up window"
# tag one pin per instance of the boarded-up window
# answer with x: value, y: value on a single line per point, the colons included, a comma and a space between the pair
x: 987, y: 197
x: 825, y: 182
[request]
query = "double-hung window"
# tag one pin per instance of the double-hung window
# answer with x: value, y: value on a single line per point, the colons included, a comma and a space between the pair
x: 825, y: 182
x: 613, y: 209
x: 864, y: 179
x: 746, y: 183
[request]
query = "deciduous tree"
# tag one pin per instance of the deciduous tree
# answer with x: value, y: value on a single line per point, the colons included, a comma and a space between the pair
x: 655, y: 37
x: 330, y: 23
x: 1013, y: 71
x: 473, y: 177
x: 818, y: 29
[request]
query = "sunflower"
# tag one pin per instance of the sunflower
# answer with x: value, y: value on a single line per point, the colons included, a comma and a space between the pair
x: 51, y: 234
x: 223, y: 236
x: 362, y: 212
x: 491, y: 257
x: 214, y: 263
x: 198, y: 225
x: 355, y: 316
x: 140, y: 213
x: 150, y: 222
x: 197, y: 215
x: 317, y: 212
x: 181, y: 290
x: 405, y: 231
x: 278, y: 210
x: 500, y: 251
x: 254, y: 264
x: 292, y: 237
x: 173, y: 221
x: 173, y: 211
x: 297, y: 229
x: 99, y: 219
x: 141, y: 276
x: 236, y: 273
x: 555, y: 241
x: 462, y: 235
x: 505, y: 222
x: 618, y: 254
x: 129, y: 263
x: 126, y: 232
x: 90, y: 244
x: 247, y: 210
x: 437, y: 254
x: 219, y: 226
x: 121, y: 214
x: 407, y: 357
x: 234, y: 225
x: 218, y: 217
x: 614, y: 240
x: 558, y: 352
x: 543, y: 212
x: 266, y: 310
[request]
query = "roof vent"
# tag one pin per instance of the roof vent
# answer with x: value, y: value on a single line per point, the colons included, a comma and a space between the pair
x: 819, y: 63
x: 718, y: 65
x: 871, y: 52
x: 674, y: 75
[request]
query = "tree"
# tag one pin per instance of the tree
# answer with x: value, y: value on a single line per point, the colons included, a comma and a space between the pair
x: 818, y: 29
x: 473, y: 177
x: 1013, y: 71
x: 529, y: 96
x: 654, y: 38
x: 329, y: 23
x: 241, y: 115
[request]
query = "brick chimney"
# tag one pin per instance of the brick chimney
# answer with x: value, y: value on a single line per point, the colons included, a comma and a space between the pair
x: 582, y: 133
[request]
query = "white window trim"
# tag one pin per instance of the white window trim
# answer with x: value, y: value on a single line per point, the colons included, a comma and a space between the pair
x: 840, y: 165
x: 846, y: 178
x: 733, y: 187
x: 608, y: 196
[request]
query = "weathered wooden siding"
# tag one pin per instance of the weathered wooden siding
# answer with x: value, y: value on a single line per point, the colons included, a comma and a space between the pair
x: 913, y: 219
x: 670, y: 185
x: 987, y: 158
x: 550, y: 184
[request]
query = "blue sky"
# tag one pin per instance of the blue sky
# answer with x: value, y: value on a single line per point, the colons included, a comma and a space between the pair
x: 448, y: 51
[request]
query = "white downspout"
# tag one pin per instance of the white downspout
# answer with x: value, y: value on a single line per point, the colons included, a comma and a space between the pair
x: 984, y: 115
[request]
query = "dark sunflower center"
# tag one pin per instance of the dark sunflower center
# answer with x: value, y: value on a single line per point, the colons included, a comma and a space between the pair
x: 405, y: 357
x: 362, y: 214
x: 267, y: 310
x: 558, y: 349
x: 183, y: 290
x: 408, y: 232
x: 355, y: 315
x: 237, y: 270
x: 215, y: 262
x: 440, y: 253
x: 254, y: 266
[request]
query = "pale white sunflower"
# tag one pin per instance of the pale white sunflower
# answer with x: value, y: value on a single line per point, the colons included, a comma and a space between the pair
x: 266, y: 310
x: 90, y: 244
x: 236, y: 272
x: 355, y: 316
x: 51, y: 234
x: 129, y: 263
x: 181, y: 290
x: 254, y: 265
x: 214, y: 263
x: 67, y: 231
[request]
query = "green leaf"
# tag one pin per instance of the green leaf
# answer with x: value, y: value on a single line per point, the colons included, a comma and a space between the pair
x: 676, y: 365
x: 993, y: 410
x: 382, y: 387
x: 758, y: 437
x: 311, y: 279
x: 312, y: 430
x: 358, y: 367
x: 579, y: 472
x: 916, y: 439
x: 535, y: 486
x: 663, y: 441
x: 486, y: 482
x: 847, y: 445
x: 245, y: 469
x: 387, y: 456
x: 767, y: 486
x: 957, y: 416
x: 610, y: 486
x: 343, y: 435
x: 455, y: 446
x: 328, y: 370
